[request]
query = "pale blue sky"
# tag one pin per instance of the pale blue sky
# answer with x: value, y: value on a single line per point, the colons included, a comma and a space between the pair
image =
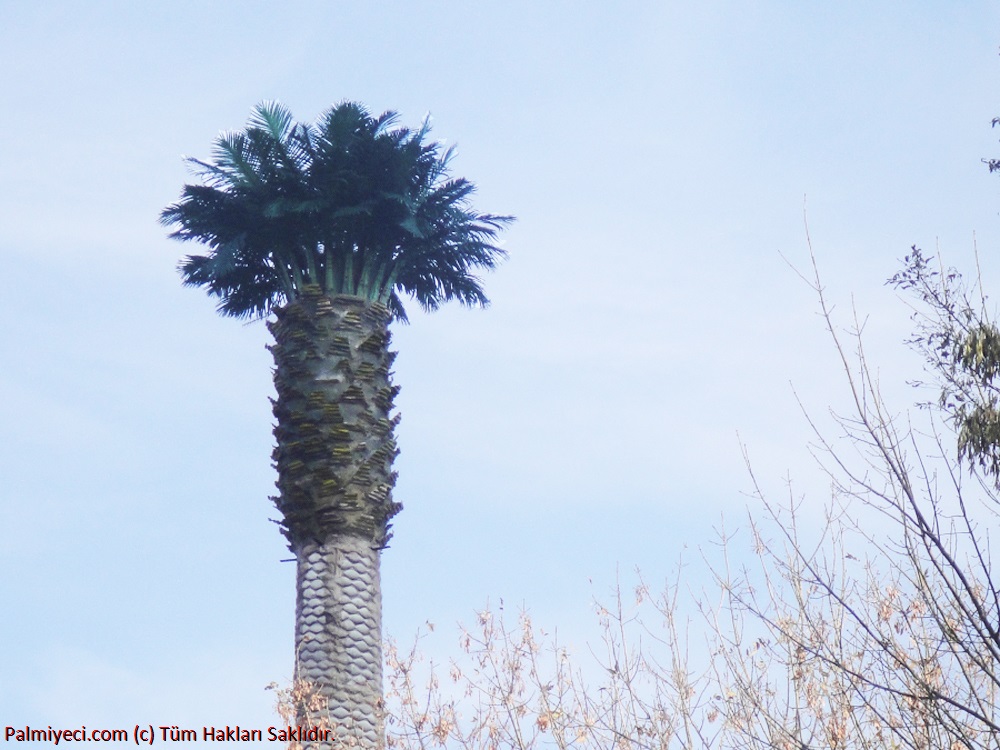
x: 657, y: 155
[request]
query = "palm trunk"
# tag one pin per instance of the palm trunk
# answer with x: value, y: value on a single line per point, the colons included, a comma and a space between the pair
x: 334, y: 454
x: 338, y: 635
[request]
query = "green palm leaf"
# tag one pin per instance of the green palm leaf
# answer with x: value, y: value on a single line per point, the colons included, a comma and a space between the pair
x: 353, y: 204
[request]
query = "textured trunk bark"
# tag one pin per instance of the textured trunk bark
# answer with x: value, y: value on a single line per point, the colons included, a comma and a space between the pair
x: 334, y: 454
x: 338, y: 634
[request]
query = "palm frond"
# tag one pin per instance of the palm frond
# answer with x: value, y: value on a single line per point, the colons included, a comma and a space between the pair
x: 273, y: 118
x: 353, y: 203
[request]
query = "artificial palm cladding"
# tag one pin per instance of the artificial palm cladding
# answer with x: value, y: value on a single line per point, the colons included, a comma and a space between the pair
x: 324, y: 226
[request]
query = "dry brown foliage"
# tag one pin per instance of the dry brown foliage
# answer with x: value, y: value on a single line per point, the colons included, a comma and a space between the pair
x: 880, y: 629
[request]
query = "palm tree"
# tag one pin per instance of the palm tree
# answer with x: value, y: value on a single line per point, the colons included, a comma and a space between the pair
x: 325, y: 226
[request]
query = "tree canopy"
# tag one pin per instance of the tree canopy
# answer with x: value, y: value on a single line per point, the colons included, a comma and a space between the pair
x: 352, y: 204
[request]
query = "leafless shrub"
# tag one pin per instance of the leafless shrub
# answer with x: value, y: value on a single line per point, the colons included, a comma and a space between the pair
x: 881, y: 629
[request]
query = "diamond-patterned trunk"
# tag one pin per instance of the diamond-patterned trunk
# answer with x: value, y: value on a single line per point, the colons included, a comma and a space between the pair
x: 334, y: 454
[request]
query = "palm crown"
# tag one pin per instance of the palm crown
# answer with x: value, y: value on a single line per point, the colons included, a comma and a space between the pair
x: 351, y: 205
